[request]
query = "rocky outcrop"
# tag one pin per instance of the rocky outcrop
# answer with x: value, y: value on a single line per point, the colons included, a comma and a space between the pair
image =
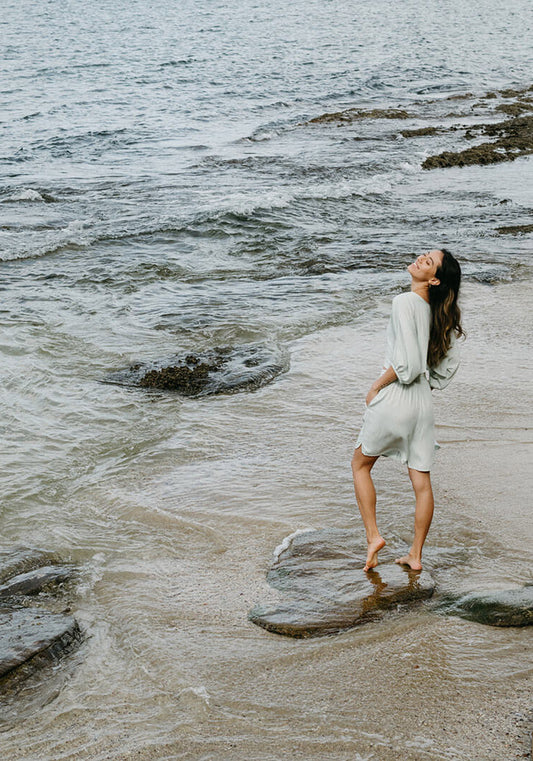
x: 355, y: 114
x: 515, y: 229
x: 325, y: 590
x: 420, y: 132
x: 225, y: 369
x: 23, y: 559
x: 511, y: 139
x: 31, y: 634
x: 507, y: 607
x: 38, y: 580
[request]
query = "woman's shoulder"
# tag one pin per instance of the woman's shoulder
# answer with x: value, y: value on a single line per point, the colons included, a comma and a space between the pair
x: 407, y: 300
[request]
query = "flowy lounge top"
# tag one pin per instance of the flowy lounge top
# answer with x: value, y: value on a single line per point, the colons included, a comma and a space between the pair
x: 399, y: 421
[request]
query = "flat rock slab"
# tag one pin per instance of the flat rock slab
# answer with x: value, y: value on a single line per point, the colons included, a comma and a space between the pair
x: 506, y: 607
x: 325, y: 590
x: 29, y: 632
x: 36, y: 581
x: 22, y: 560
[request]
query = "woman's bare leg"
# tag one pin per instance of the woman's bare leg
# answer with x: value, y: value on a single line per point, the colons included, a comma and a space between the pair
x: 423, y: 514
x: 365, y: 494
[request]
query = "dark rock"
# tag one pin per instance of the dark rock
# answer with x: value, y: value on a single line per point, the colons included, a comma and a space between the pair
x: 510, y: 93
x: 325, y: 590
x: 24, y: 559
x: 35, y: 581
x: 461, y: 96
x: 30, y: 633
x: 355, y: 114
x: 420, y: 132
x: 219, y: 370
x: 514, y: 138
x: 31, y: 637
x: 187, y: 380
x: 515, y: 229
x: 508, y: 607
x: 515, y: 109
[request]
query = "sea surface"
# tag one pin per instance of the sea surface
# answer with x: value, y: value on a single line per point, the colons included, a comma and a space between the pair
x: 162, y: 191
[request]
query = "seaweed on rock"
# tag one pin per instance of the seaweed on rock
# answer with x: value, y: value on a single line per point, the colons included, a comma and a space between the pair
x: 227, y: 369
x: 513, y: 138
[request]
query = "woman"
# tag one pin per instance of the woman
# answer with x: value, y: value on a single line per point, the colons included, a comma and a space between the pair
x: 422, y: 354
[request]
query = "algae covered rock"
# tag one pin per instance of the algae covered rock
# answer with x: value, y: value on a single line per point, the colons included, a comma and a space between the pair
x: 510, y: 140
x: 225, y: 369
x: 325, y: 590
x: 356, y: 114
x: 420, y: 132
x: 515, y: 229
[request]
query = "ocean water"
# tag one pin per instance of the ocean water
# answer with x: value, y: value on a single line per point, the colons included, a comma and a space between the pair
x: 162, y: 191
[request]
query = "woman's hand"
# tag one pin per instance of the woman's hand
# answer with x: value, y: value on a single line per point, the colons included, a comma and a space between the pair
x: 371, y: 394
x: 389, y: 376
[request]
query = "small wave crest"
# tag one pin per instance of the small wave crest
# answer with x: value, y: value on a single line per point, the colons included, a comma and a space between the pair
x: 74, y: 234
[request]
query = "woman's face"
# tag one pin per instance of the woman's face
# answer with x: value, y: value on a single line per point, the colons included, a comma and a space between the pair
x: 425, y: 266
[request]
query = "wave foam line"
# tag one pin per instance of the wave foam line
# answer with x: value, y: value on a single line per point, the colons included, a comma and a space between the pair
x: 286, y: 543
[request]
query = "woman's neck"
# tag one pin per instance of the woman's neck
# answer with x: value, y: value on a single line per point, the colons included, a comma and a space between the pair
x: 421, y: 289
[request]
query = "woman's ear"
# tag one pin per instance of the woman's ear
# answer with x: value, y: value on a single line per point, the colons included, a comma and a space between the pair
x: 434, y: 281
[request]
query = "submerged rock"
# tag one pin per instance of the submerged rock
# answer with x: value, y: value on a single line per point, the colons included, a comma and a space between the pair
x: 515, y: 229
x: 325, y: 590
x: 225, y: 369
x: 26, y: 633
x: 355, y: 114
x: 507, y: 607
x: 513, y: 138
x: 422, y: 131
x: 515, y: 109
x: 511, y: 93
x: 24, y: 559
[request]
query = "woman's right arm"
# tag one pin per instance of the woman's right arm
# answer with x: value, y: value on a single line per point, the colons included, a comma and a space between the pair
x: 389, y: 376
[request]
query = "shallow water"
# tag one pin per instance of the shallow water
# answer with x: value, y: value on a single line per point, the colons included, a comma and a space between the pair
x: 161, y: 193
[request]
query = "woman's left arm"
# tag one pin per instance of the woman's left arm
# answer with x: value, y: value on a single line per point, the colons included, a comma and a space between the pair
x: 389, y: 376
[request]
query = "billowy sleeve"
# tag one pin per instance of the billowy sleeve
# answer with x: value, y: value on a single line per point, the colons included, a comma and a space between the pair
x: 441, y: 375
x: 409, y: 352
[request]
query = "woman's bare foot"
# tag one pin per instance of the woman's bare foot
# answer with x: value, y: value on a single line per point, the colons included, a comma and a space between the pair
x: 411, y: 561
x: 372, y: 553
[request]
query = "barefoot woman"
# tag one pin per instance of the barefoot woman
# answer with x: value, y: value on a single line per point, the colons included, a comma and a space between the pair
x: 422, y: 354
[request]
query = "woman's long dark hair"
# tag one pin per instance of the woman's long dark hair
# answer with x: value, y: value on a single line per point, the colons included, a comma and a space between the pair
x: 445, y: 312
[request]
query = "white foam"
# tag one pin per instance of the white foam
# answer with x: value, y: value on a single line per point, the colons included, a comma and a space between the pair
x: 39, y: 244
x: 26, y: 194
x: 285, y: 544
x: 246, y: 204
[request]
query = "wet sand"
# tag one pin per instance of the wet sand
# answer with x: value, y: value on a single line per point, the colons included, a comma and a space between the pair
x: 394, y: 695
x: 414, y: 686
